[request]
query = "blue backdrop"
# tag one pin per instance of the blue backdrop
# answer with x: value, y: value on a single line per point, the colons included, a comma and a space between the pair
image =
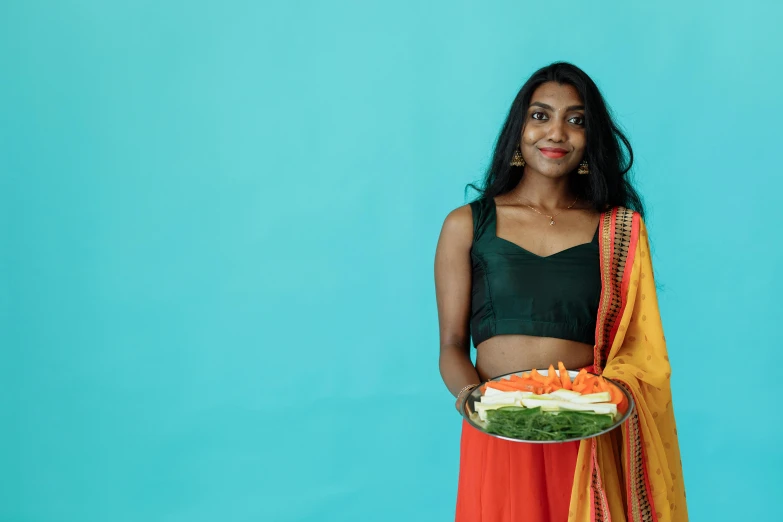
x: 218, y: 229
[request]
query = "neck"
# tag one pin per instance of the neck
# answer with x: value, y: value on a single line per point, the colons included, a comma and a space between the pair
x: 543, y: 192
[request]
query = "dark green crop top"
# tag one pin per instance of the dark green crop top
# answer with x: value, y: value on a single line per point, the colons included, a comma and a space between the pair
x: 518, y: 292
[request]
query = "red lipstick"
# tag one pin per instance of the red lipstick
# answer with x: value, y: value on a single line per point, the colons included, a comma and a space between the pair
x: 551, y: 152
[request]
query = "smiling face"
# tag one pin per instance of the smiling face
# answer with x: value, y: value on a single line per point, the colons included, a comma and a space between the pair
x: 553, y: 137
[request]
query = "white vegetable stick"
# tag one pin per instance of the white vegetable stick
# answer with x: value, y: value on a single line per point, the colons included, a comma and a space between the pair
x: 593, y: 397
x: 606, y: 409
x: 565, y: 395
x: 498, y: 399
x: 506, y: 397
x: 545, y: 405
x: 482, y: 408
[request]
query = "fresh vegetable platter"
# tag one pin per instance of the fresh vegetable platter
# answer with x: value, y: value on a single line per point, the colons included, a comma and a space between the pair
x: 545, y: 406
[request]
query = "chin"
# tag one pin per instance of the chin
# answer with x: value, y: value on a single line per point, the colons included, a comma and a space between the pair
x: 553, y: 172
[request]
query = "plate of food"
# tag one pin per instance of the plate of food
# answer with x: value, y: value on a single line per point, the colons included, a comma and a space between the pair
x: 546, y: 406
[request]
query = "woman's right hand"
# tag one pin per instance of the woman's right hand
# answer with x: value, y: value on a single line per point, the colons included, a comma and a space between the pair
x: 462, y: 396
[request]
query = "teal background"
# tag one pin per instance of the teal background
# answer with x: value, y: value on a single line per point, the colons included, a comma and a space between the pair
x: 218, y: 229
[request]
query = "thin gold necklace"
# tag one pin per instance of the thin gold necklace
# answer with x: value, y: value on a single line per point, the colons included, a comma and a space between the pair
x: 552, y: 217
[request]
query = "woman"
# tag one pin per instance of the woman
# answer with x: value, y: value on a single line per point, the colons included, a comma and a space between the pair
x: 552, y: 264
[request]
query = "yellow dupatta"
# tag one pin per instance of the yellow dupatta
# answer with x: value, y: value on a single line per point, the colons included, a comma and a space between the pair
x: 633, y: 474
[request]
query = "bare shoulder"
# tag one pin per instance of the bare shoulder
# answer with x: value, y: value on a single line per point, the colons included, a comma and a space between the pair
x: 460, y: 217
x: 456, y: 236
x: 458, y: 225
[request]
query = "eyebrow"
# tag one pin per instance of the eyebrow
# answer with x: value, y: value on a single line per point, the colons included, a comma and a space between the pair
x: 571, y: 108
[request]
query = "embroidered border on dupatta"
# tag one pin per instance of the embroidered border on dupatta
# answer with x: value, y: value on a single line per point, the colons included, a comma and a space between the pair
x: 640, y: 507
x: 614, y: 244
x: 617, y: 244
x: 600, y: 511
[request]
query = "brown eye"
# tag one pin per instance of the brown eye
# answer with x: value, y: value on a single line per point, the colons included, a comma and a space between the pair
x: 577, y: 120
x: 538, y: 115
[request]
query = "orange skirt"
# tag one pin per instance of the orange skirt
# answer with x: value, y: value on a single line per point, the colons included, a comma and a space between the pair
x: 504, y: 481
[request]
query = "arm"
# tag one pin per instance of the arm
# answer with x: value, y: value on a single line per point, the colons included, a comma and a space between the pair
x: 453, y: 289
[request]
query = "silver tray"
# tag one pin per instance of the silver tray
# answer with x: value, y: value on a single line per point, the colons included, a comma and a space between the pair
x: 468, y: 410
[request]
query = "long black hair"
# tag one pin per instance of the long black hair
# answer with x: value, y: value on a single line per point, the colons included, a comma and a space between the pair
x: 607, y: 185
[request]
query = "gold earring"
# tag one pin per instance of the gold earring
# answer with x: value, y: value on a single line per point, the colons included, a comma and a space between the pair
x: 584, y: 168
x: 517, y: 160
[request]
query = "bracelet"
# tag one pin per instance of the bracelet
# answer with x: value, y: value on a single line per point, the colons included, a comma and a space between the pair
x: 468, y: 387
x: 471, y: 386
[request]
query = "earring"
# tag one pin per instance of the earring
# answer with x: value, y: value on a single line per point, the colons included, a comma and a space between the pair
x: 584, y: 168
x: 517, y: 160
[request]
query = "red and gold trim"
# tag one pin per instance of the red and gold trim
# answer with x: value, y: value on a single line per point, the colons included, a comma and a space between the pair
x: 617, y: 244
x: 640, y: 507
x: 600, y: 503
x: 618, y: 239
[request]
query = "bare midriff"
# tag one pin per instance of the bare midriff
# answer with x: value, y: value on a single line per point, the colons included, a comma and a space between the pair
x: 504, y: 354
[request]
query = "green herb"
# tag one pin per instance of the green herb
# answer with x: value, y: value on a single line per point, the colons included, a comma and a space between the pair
x: 533, y: 424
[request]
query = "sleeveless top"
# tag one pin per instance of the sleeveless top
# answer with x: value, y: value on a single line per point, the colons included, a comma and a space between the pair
x: 518, y: 292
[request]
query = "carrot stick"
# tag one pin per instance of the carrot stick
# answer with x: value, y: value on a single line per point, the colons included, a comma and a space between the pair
x: 617, y: 395
x: 501, y: 386
x: 587, y: 382
x: 565, y: 380
x: 551, y: 376
x: 581, y: 387
x: 580, y: 377
x: 519, y: 384
x: 623, y: 406
x: 529, y: 383
x: 508, y: 383
x: 524, y: 385
x: 537, y: 376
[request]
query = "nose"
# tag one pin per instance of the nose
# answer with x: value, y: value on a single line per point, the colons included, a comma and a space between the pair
x: 557, y: 131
